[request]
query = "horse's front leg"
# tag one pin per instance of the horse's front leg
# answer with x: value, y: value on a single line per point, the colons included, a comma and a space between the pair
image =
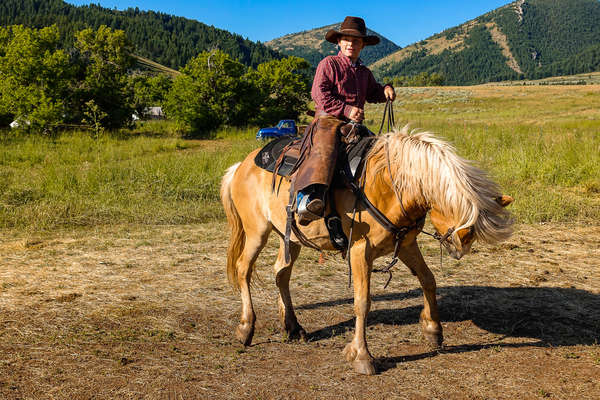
x: 283, y: 271
x: 430, y: 319
x: 357, y: 351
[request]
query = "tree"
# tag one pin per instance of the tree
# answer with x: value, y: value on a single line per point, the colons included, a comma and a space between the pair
x: 285, y: 89
x: 34, y: 76
x: 104, y: 60
x: 211, y: 91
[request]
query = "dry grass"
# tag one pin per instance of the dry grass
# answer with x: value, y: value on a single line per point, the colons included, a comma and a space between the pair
x: 145, y: 312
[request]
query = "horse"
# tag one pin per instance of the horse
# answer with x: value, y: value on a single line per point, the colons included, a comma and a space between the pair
x: 407, y: 175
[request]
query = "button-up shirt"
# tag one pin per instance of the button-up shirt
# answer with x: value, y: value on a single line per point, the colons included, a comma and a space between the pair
x: 340, y: 84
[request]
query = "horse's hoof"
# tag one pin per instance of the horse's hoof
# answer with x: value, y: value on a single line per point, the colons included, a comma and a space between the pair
x: 364, y: 367
x: 433, y: 333
x: 434, y: 340
x: 244, y: 333
x: 297, y: 333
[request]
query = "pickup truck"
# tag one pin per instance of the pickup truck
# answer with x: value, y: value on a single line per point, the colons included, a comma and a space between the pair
x: 285, y: 127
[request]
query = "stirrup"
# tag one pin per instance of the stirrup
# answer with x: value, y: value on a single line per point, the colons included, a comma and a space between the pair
x: 336, y: 232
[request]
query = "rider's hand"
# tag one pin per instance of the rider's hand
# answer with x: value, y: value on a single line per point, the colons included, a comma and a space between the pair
x: 357, y: 114
x: 390, y: 93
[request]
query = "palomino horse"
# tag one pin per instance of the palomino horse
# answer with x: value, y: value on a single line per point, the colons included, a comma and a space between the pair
x: 427, y: 175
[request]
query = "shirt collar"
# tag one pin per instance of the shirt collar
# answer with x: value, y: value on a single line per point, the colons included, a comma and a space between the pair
x: 348, y: 61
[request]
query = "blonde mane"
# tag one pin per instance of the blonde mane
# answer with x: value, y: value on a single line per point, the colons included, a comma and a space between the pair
x: 427, y: 167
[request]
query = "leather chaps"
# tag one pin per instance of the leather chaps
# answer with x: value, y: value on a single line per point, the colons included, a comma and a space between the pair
x: 318, y: 153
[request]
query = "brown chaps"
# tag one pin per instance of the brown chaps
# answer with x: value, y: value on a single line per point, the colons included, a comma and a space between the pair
x: 318, y: 153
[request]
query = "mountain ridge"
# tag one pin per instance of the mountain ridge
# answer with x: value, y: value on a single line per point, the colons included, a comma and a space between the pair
x: 166, y: 39
x: 524, y: 39
x: 312, y: 46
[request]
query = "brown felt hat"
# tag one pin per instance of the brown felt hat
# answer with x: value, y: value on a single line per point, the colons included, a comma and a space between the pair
x: 352, y: 26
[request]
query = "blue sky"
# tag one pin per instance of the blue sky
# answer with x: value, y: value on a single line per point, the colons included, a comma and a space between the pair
x: 402, y: 21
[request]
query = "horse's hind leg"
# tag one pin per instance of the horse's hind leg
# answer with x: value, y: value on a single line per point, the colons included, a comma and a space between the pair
x: 245, y: 264
x: 283, y: 271
x: 430, y: 319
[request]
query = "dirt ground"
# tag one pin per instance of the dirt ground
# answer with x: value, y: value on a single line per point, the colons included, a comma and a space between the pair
x: 145, y: 312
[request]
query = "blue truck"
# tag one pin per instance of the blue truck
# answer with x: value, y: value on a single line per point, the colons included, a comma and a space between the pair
x: 285, y: 127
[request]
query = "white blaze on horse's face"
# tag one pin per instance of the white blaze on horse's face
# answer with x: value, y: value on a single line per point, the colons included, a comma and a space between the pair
x: 458, y: 243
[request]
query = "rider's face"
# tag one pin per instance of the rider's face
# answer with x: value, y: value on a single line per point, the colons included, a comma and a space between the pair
x: 351, y: 46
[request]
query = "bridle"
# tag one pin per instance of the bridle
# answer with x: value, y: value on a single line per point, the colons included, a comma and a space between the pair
x: 398, y: 232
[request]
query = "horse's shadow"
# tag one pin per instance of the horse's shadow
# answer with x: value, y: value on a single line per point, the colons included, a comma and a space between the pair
x: 553, y: 316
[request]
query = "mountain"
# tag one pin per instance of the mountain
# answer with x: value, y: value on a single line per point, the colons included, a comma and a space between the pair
x: 312, y: 46
x: 166, y: 39
x: 526, y: 39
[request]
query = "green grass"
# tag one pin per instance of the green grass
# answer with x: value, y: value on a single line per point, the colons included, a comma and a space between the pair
x: 74, y: 180
x: 541, y: 144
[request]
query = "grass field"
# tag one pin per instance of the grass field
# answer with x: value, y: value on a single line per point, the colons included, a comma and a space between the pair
x: 112, y: 268
x: 540, y: 143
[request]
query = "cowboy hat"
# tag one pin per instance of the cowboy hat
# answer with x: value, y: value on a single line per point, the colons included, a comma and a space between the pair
x: 352, y: 26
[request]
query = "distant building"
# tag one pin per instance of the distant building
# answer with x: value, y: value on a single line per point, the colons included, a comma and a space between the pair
x: 149, y: 113
x: 154, y: 113
x: 16, y: 123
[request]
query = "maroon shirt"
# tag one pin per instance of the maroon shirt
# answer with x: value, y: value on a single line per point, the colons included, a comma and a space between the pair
x: 339, y: 85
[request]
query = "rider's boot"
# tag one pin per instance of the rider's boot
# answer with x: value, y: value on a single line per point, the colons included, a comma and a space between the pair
x: 310, y: 204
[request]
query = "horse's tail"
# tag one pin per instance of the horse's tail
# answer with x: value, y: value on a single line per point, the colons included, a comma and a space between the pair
x: 238, y: 236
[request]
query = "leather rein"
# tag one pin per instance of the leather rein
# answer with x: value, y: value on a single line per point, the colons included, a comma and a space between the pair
x: 398, y: 232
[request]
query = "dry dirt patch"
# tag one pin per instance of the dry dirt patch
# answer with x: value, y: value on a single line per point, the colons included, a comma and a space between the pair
x: 145, y: 312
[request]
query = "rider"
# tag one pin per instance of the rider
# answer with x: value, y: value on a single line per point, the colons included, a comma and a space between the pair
x: 340, y: 88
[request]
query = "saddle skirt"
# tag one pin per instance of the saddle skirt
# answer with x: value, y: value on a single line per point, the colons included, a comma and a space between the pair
x: 267, y: 157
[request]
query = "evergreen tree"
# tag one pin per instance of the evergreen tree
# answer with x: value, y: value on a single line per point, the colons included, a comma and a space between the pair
x: 166, y: 39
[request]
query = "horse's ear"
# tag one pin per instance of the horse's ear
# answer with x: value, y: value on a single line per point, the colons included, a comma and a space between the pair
x: 504, y: 200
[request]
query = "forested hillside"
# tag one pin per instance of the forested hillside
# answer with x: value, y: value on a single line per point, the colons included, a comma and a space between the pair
x: 166, y: 39
x: 312, y: 46
x: 526, y: 39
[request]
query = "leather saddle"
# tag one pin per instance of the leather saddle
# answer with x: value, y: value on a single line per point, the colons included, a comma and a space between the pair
x: 287, y: 149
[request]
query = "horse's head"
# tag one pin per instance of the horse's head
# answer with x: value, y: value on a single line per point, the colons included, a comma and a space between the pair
x: 458, y: 242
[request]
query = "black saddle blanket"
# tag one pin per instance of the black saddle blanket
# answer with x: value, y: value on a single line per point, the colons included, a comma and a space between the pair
x: 268, y: 155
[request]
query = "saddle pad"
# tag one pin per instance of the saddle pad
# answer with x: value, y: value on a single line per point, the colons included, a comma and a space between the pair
x: 268, y: 155
x: 356, y: 154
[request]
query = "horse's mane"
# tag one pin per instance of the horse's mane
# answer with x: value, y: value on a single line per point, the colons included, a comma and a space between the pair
x: 427, y: 167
